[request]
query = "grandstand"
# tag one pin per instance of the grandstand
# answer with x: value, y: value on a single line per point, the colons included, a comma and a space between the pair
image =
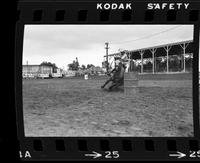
x: 166, y: 58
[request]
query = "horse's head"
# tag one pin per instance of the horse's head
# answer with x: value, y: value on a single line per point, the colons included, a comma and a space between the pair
x: 117, y: 62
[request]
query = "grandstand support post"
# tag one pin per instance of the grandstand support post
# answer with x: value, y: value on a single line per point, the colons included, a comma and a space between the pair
x: 131, y: 62
x: 167, y: 49
x: 129, y: 59
x: 155, y: 63
x: 141, y: 54
x: 153, y: 51
x: 184, y: 47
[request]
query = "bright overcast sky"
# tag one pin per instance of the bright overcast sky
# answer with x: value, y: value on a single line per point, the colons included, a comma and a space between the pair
x: 61, y: 44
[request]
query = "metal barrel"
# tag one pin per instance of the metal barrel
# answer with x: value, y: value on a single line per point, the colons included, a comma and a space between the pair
x: 131, y: 83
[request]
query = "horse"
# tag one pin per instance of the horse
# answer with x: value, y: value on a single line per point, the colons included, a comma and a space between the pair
x: 117, y: 78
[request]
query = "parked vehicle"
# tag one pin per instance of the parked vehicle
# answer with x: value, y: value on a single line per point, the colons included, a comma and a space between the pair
x: 57, y: 75
x: 43, y: 75
x: 27, y: 76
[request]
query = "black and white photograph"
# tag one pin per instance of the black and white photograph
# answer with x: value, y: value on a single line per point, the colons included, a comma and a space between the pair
x: 108, y: 80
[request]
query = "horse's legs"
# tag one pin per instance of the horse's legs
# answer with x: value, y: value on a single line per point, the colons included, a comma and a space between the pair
x: 115, y: 85
x: 106, y: 83
x: 112, y: 86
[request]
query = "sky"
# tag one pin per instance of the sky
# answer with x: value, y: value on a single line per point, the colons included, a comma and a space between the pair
x: 61, y: 44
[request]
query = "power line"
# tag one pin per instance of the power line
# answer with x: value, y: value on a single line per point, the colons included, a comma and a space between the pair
x: 148, y: 36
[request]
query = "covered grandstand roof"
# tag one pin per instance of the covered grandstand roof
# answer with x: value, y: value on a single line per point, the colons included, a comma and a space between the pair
x: 158, y: 46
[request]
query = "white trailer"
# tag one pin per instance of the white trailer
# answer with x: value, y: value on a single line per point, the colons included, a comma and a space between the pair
x: 57, y: 75
x: 43, y: 75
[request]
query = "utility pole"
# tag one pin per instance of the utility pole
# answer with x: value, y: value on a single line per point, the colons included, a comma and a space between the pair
x: 107, y: 56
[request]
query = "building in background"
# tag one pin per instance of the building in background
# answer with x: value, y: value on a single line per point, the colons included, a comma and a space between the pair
x: 69, y: 73
x: 37, y: 71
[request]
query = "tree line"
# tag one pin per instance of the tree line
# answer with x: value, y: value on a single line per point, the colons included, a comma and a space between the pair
x: 72, y: 66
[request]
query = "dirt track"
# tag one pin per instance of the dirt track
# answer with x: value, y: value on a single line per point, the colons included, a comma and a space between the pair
x: 76, y: 107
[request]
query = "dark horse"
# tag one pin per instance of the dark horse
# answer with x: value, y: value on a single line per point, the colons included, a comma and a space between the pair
x: 117, y: 78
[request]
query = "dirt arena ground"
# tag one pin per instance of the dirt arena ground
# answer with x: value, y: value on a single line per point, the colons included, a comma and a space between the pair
x: 78, y: 107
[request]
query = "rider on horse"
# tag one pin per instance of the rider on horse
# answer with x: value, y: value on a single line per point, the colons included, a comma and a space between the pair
x: 125, y: 60
x: 117, y: 76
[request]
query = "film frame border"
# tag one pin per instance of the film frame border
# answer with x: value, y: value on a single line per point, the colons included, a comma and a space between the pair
x: 130, y: 148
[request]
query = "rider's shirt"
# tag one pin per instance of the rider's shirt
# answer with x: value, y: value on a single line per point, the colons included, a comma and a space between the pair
x: 125, y: 61
x: 124, y: 58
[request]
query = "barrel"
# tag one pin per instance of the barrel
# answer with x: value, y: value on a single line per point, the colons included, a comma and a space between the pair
x: 131, y: 83
x: 86, y: 76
